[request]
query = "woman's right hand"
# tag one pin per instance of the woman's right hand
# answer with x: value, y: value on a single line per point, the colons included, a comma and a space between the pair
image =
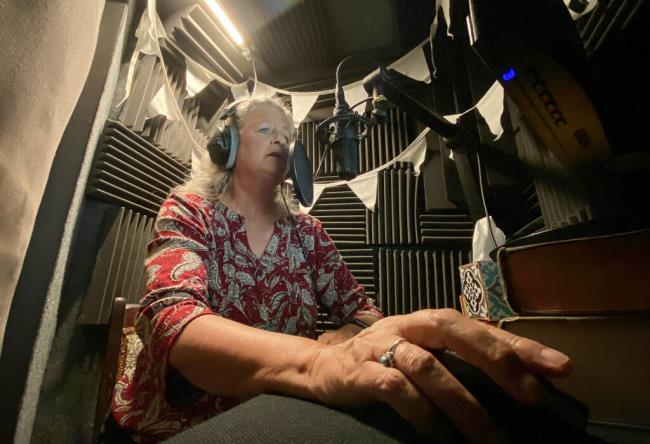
x: 349, y: 374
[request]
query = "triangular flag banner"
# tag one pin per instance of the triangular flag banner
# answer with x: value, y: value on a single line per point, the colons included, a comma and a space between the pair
x: 262, y: 90
x: 147, y: 33
x: 165, y: 103
x: 414, y: 65
x: 318, y: 190
x: 453, y: 118
x: 576, y: 14
x: 414, y: 153
x: 149, y: 30
x: 239, y: 91
x: 491, y: 108
x: 300, y: 107
x: 355, y: 93
x: 365, y: 187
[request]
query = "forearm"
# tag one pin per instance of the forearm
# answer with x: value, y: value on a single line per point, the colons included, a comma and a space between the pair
x: 347, y: 331
x: 231, y: 359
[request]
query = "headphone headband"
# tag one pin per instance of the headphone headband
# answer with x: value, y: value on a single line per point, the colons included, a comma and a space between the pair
x: 231, y: 108
x: 229, y: 111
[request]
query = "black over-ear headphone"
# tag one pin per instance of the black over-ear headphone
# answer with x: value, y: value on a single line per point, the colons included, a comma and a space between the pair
x: 224, y: 144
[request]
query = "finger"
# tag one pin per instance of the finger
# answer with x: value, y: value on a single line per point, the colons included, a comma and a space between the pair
x: 541, y: 359
x: 447, y: 393
x: 417, y: 326
x: 475, y: 343
x: 390, y: 386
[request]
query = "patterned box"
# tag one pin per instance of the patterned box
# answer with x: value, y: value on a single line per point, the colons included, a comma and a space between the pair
x: 483, y: 296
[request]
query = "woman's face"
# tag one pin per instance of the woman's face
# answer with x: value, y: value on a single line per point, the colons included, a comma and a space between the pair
x: 264, y: 138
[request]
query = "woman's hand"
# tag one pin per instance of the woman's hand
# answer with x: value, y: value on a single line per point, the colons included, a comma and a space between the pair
x: 350, y: 374
x: 339, y: 335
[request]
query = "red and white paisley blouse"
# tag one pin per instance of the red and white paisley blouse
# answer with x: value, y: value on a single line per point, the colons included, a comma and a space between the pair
x: 200, y: 263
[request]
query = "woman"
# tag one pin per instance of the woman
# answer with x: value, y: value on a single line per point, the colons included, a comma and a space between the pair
x: 230, y: 308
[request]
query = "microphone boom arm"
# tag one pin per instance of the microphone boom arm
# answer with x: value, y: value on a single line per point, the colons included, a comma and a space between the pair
x: 389, y: 81
x: 457, y: 138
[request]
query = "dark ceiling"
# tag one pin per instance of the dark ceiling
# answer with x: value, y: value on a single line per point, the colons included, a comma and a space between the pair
x: 298, y: 43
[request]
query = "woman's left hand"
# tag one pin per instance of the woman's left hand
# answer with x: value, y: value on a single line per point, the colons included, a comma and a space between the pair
x: 351, y: 373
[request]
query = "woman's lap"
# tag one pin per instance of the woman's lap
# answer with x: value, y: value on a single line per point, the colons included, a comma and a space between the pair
x: 279, y: 419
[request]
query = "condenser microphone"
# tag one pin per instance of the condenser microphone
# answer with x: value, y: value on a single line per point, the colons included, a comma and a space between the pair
x: 345, y: 137
x: 341, y: 131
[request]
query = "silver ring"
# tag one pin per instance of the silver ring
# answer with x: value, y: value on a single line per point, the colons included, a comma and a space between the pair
x: 387, y: 359
x: 450, y: 352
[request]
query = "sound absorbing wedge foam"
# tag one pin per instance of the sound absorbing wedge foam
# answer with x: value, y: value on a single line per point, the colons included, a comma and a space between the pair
x: 360, y: 262
x: 131, y: 172
x: 342, y: 215
x: 147, y: 80
x: 606, y: 21
x: 410, y: 280
x: 393, y: 221
x: 174, y: 137
x: 204, y: 40
x: 445, y: 226
x: 119, y: 266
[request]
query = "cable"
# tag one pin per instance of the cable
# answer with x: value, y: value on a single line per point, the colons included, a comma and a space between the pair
x: 254, y: 75
x: 487, y: 215
x: 367, y: 99
x: 322, y: 157
x: 338, y: 68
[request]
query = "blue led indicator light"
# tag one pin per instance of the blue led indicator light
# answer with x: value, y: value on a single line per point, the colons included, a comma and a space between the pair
x: 509, y: 75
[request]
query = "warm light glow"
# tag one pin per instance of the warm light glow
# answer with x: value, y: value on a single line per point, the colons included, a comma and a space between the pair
x: 225, y: 21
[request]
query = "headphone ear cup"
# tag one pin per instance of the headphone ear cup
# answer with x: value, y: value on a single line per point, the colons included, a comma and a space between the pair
x: 233, y: 133
x: 223, y: 147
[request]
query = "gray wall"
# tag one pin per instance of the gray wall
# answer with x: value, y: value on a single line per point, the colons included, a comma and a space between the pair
x: 70, y: 54
x: 46, y: 51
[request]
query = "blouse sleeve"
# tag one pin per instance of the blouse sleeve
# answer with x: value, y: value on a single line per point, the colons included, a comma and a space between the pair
x: 176, y: 290
x: 338, y: 292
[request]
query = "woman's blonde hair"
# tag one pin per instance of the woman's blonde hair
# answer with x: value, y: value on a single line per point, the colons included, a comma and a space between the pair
x: 210, y: 180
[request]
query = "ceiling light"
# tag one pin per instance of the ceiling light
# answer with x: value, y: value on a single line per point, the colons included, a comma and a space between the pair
x: 225, y: 21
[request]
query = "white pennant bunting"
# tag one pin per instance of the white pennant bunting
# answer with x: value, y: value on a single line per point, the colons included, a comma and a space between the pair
x: 300, y: 107
x: 589, y: 6
x: 355, y: 93
x: 239, y: 91
x: 262, y: 90
x: 165, y: 103
x: 414, y: 65
x: 491, y: 108
x: 365, y: 188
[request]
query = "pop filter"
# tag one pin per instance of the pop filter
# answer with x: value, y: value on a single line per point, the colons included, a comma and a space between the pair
x: 301, y: 174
